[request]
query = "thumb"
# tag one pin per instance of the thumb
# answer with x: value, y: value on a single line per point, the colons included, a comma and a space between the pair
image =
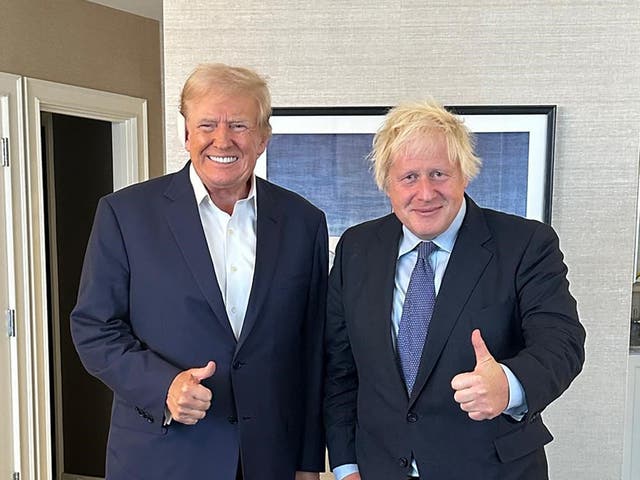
x: 480, y: 348
x: 207, y: 371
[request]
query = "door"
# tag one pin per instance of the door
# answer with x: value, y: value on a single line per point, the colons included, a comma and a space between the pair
x: 9, y: 151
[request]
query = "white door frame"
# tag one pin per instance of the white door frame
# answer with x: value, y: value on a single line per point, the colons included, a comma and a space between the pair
x: 128, y: 116
x: 11, y: 234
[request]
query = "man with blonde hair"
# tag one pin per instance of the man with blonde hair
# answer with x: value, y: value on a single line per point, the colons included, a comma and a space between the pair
x: 202, y: 305
x: 449, y: 327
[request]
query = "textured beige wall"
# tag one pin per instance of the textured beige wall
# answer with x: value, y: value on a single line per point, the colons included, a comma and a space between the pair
x: 83, y: 44
x: 582, y: 56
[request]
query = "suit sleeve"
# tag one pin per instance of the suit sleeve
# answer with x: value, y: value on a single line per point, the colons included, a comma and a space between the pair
x: 341, y: 380
x: 101, y: 326
x: 311, y: 458
x: 553, y: 335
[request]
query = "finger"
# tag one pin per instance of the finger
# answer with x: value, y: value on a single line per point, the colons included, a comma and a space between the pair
x: 198, y: 392
x: 182, y: 412
x: 468, y: 407
x: 191, y: 388
x: 190, y: 413
x: 207, y: 371
x: 478, y: 410
x: 193, y: 402
x: 462, y: 381
x: 478, y: 416
x: 189, y: 417
x: 480, y: 348
x: 464, y: 396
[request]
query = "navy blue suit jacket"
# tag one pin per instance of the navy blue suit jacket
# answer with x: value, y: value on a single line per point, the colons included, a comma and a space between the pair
x: 506, y: 277
x: 149, y: 306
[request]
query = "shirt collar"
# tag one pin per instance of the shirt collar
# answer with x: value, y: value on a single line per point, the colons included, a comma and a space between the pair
x: 444, y: 241
x: 201, y: 193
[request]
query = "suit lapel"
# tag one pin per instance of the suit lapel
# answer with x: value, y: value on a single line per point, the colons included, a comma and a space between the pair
x: 381, y: 258
x: 184, y: 221
x: 268, y: 234
x: 468, y: 260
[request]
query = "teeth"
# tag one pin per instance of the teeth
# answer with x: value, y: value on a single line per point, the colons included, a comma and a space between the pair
x: 222, y: 159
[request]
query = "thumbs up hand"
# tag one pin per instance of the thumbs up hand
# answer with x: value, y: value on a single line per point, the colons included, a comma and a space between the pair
x: 483, y: 393
x: 188, y: 400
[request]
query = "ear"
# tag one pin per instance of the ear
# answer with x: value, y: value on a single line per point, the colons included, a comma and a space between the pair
x: 186, y: 138
x: 264, y: 141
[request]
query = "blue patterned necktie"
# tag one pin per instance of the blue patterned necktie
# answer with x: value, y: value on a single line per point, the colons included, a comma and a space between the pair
x: 416, y: 314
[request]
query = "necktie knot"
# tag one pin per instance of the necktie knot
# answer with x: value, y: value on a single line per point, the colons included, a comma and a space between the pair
x: 425, y: 249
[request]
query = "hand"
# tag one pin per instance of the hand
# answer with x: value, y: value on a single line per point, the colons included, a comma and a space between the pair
x: 307, y: 476
x: 352, y: 476
x: 187, y: 400
x: 483, y: 393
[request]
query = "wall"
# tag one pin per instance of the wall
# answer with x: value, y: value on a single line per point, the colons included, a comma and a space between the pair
x: 581, y: 56
x: 87, y: 45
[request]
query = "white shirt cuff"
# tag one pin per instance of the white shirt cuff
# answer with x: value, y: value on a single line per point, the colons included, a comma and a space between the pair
x: 517, y: 407
x: 343, y: 470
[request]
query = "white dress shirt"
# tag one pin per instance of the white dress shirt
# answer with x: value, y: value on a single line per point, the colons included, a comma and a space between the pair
x: 232, y: 245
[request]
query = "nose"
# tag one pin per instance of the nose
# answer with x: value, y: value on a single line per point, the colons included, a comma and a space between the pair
x: 424, y: 189
x: 222, y: 136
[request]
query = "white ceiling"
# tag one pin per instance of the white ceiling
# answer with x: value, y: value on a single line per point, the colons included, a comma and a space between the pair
x: 144, y: 8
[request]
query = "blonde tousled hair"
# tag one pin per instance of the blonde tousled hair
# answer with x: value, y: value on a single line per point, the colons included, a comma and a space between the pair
x: 412, y: 119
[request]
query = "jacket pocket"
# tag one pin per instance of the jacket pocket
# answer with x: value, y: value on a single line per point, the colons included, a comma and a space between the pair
x: 523, y: 441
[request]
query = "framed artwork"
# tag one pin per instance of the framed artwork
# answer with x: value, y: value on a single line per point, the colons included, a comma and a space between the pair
x: 323, y: 154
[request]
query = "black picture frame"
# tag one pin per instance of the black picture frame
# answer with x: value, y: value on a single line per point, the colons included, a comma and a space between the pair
x: 313, y: 161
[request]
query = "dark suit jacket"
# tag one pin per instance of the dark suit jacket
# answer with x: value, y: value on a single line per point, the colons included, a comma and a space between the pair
x: 506, y: 276
x: 149, y: 306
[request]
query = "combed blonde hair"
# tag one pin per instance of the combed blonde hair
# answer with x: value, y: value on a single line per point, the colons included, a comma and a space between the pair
x: 412, y: 119
x: 226, y: 79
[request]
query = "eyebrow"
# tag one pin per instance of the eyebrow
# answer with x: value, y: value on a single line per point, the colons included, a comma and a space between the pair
x: 229, y: 120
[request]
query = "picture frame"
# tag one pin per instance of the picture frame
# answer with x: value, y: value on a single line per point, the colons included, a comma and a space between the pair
x: 322, y: 153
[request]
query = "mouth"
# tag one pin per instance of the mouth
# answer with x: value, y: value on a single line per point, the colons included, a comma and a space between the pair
x: 225, y: 160
x: 426, y: 211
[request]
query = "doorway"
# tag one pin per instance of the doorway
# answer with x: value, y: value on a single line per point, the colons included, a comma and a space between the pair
x: 78, y: 170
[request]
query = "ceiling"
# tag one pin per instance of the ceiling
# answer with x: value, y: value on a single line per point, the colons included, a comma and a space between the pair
x: 144, y: 8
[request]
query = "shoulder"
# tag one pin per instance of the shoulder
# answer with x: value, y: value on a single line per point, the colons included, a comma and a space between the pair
x: 383, y: 229
x: 144, y: 201
x: 507, y: 228
x: 145, y: 189
x: 371, y: 226
x: 281, y: 197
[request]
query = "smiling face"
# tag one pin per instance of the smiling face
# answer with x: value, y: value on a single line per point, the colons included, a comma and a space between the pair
x: 224, y: 142
x: 426, y: 190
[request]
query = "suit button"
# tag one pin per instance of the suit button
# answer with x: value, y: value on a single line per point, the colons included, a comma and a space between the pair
x: 412, y: 417
x: 232, y: 420
x: 237, y: 365
x: 403, y: 462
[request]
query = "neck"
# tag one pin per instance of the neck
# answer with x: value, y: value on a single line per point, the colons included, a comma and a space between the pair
x: 225, y: 198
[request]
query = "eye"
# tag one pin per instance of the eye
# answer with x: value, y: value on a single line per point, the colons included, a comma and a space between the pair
x: 238, y: 127
x: 438, y: 175
x: 410, y: 178
x: 207, y: 127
